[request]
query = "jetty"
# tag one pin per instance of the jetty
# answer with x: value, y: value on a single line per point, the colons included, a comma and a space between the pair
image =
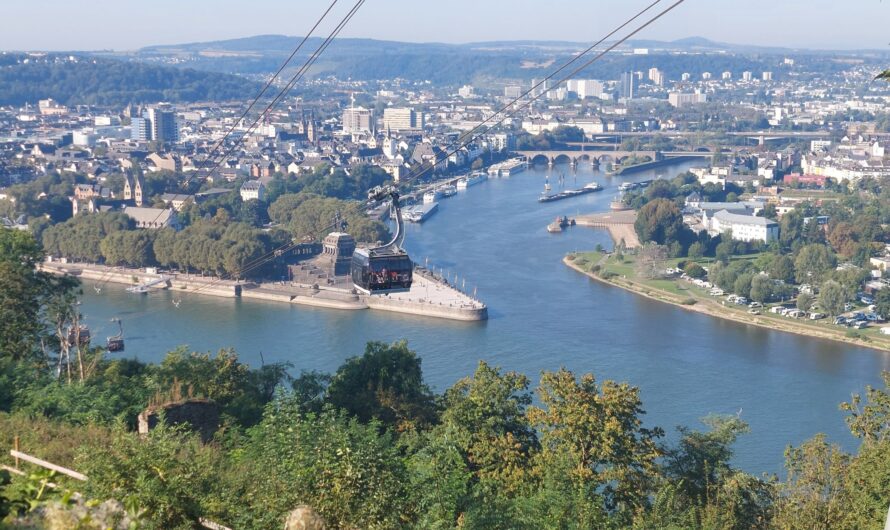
x: 620, y: 225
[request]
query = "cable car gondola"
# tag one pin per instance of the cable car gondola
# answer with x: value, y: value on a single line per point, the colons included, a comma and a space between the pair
x: 388, y: 268
x: 116, y: 343
x: 78, y: 335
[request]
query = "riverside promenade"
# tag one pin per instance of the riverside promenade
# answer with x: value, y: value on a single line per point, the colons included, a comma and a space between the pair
x: 428, y: 297
x: 620, y: 225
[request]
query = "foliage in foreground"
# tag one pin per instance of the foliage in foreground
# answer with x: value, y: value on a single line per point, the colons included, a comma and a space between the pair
x: 371, y: 446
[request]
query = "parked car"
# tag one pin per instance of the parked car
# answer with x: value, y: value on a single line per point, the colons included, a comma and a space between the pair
x: 860, y: 324
x: 753, y: 311
x: 840, y: 321
x: 755, y: 305
x: 717, y: 292
x: 817, y: 316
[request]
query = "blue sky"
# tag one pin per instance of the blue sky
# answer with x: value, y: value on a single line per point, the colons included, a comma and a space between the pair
x: 129, y: 24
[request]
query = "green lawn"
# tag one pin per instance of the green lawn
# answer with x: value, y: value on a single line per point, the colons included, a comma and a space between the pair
x: 625, y: 268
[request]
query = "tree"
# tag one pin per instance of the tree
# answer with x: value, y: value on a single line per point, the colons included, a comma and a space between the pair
x: 812, y: 263
x: 25, y: 296
x: 385, y: 384
x: 662, y: 222
x: 791, y: 228
x: 832, y: 297
x: 598, y: 431
x: 761, y: 288
x: 805, y: 301
x: 351, y: 473
x: 882, y: 302
x: 696, y: 251
x: 701, y: 460
x: 651, y: 261
x: 694, y: 270
x: 782, y: 268
x: 844, y: 238
x: 812, y: 496
x: 742, y: 284
x: 485, y: 416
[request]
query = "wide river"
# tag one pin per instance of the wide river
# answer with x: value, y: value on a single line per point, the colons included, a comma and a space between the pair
x: 543, y: 316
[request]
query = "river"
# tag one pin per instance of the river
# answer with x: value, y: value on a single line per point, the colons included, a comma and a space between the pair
x: 543, y: 316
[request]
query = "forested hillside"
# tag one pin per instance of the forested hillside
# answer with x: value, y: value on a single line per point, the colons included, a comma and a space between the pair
x: 73, y: 80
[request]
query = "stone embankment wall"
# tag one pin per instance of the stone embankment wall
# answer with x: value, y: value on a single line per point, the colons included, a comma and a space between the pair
x: 302, y: 295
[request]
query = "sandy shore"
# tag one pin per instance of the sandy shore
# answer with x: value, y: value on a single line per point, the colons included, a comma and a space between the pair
x: 716, y: 310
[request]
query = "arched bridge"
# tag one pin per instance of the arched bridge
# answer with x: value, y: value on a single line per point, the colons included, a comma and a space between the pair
x: 602, y: 157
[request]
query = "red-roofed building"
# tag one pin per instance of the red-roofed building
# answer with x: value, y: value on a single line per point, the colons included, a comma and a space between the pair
x: 805, y: 180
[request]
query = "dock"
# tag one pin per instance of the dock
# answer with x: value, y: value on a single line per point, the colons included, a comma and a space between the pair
x: 620, y: 225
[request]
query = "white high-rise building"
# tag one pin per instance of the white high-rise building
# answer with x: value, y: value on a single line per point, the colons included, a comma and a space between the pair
x: 747, y: 76
x: 512, y: 91
x: 686, y: 76
x: 466, y: 92
x: 679, y: 99
x: 164, y: 126
x: 706, y: 76
x: 401, y: 119
x: 767, y: 76
x: 585, y: 88
x: 727, y: 76
x: 358, y: 120
x: 656, y: 76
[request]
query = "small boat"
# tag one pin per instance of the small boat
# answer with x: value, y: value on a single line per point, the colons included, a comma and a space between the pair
x: 472, y: 179
x: 547, y: 186
x: 431, y: 196
x: 567, y: 194
x: 420, y: 213
x: 138, y: 289
x: 447, y: 190
x: 559, y: 224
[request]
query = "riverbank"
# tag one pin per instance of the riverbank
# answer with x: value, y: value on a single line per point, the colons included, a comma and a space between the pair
x: 687, y: 297
x: 427, y: 297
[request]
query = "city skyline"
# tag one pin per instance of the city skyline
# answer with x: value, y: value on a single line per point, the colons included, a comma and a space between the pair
x: 104, y: 24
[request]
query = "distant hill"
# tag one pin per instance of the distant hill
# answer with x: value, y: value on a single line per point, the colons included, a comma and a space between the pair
x: 477, y: 63
x: 73, y: 80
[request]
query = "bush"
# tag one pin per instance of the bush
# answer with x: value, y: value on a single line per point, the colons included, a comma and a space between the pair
x: 694, y: 270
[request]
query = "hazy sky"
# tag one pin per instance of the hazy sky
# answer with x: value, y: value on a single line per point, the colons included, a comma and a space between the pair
x: 130, y: 24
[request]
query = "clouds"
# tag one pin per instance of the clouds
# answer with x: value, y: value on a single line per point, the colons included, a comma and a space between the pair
x: 102, y: 24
